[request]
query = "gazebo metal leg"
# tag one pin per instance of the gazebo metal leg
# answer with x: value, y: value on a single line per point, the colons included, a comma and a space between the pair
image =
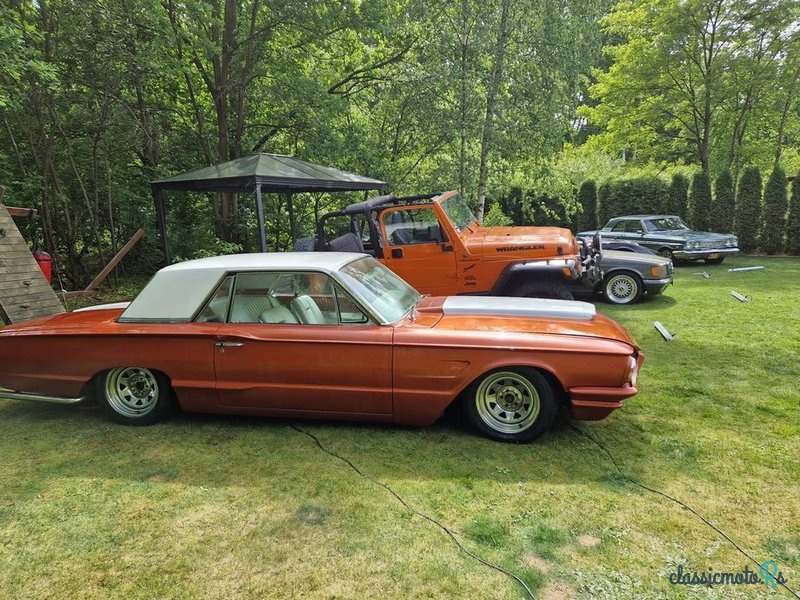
x: 262, y: 235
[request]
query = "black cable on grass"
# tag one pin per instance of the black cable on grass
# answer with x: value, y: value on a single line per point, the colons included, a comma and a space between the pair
x: 675, y: 500
x: 440, y: 525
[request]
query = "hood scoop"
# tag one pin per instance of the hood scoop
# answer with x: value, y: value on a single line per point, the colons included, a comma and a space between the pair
x: 518, y: 307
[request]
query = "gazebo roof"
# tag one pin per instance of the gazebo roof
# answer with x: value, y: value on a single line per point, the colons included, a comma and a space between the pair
x: 273, y: 172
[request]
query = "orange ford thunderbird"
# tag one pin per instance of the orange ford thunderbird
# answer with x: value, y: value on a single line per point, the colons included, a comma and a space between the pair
x: 324, y: 335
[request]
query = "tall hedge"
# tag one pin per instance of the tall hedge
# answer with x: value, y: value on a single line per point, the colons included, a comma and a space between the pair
x: 587, y: 198
x: 793, y: 222
x: 723, y: 205
x: 700, y: 202
x: 678, y: 196
x: 775, y: 205
x: 748, y: 209
x: 604, y: 208
x: 632, y: 196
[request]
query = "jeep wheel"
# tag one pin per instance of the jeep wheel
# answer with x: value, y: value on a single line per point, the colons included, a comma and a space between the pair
x: 511, y: 405
x: 543, y: 289
x: 622, y: 288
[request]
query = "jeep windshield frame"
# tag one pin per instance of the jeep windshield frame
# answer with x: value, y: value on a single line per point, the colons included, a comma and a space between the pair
x: 458, y: 211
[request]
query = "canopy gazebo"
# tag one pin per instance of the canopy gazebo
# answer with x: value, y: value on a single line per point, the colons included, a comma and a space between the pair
x: 257, y: 174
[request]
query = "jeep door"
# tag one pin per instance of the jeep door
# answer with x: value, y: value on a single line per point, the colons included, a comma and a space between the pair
x: 417, y: 249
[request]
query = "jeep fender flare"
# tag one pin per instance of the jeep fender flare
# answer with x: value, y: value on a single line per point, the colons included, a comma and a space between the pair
x: 540, y: 269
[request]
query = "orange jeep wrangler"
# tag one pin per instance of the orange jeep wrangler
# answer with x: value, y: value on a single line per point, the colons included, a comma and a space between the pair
x: 436, y: 244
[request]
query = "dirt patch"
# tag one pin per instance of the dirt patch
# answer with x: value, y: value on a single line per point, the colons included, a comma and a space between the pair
x: 557, y: 591
x: 537, y: 562
x: 588, y: 541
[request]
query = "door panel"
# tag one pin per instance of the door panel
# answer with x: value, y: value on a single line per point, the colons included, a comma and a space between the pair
x: 325, y: 368
x: 426, y: 264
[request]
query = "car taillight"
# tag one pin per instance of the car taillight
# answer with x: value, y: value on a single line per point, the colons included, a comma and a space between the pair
x: 633, y: 371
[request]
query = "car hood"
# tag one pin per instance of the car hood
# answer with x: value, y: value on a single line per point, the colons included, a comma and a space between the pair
x: 521, y: 315
x: 615, y: 258
x: 530, y: 242
x: 688, y: 235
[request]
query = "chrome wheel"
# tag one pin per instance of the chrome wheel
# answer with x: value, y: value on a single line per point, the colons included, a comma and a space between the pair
x: 507, y: 402
x: 132, y: 392
x: 622, y: 289
x: 666, y: 253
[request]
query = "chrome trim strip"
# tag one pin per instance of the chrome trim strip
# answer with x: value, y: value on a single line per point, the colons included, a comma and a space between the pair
x: 12, y: 395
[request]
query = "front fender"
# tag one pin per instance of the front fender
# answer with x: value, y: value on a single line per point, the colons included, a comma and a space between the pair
x: 561, y: 268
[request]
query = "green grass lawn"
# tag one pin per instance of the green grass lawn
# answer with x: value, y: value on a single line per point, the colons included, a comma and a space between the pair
x: 217, y: 507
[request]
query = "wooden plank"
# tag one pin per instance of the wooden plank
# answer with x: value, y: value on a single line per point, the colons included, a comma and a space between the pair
x: 21, y: 268
x: 26, y: 276
x: 15, y: 211
x: 11, y: 294
x: 116, y: 260
x: 18, y: 301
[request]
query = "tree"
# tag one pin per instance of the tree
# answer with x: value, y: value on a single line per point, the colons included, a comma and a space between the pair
x: 587, y: 199
x: 748, y: 209
x: 686, y: 78
x: 605, y: 210
x: 700, y: 202
x: 723, y: 205
x: 678, y: 195
x: 495, y: 217
x: 775, y: 205
x: 793, y: 222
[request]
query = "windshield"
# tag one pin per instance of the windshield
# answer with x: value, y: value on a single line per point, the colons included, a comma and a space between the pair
x: 458, y: 211
x: 665, y: 224
x: 382, y: 290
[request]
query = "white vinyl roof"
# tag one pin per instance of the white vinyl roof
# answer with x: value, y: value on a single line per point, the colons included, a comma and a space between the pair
x: 176, y: 292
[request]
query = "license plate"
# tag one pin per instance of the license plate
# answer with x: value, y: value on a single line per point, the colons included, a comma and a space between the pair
x: 713, y: 256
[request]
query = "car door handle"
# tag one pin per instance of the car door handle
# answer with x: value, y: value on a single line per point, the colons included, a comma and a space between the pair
x: 229, y: 344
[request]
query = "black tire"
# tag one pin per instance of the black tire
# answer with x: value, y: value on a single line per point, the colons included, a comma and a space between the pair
x: 543, y: 289
x: 511, y: 405
x: 306, y: 244
x: 715, y: 261
x: 622, y: 287
x: 666, y: 253
x: 135, y: 395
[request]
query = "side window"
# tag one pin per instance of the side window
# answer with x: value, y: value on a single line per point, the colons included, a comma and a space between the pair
x: 411, y: 226
x: 634, y: 227
x: 348, y: 311
x: 305, y: 298
x: 620, y: 226
x: 216, y: 309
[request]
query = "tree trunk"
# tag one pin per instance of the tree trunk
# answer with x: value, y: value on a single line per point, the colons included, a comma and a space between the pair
x: 491, y: 105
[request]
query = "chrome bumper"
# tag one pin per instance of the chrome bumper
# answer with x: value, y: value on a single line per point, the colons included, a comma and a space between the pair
x: 12, y: 395
x: 656, y: 286
x: 703, y: 253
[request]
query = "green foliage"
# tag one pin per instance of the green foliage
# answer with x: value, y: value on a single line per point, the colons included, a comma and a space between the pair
x: 587, y: 199
x: 775, y: 205
x: 700, y: 202
x: 748, y: 209
x: 678, y: 196
x: 496, y: 217
x: 793, y: 222
x: 723, y: 205
x: 704, y: 82
x: 636, y: 195
x: 605, y: 209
